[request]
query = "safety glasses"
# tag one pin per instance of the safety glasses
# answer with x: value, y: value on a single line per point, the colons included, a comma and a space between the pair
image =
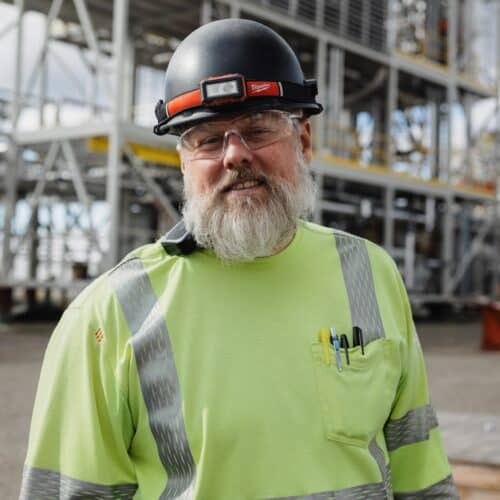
x: 208, y: 141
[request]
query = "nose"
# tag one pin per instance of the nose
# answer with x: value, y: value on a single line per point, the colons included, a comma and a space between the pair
x: 236, y: 153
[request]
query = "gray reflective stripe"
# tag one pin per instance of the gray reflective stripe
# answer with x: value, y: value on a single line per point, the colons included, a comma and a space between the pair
x: 373, y: 491
x: 42, y: 484
x: 157, y: 374
x: 385, y: 472
x: 414, y: 427
x: 358, y: 278
x: 445, y: 489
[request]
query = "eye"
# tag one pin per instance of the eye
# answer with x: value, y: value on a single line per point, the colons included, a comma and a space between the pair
x: 209, y: 141
x: 258, y: 131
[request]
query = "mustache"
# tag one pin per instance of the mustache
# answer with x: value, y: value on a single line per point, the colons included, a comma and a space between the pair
x: 233, y: 176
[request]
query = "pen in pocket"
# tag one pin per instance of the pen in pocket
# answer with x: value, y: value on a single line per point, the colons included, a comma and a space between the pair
x: 335, y: 342
x: 344, y: 344
x: 357, y: 338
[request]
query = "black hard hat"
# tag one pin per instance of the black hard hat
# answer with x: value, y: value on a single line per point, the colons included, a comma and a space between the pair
x: 229, y: 66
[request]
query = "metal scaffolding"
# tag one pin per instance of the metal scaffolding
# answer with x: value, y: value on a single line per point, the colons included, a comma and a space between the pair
x: 387, y: 160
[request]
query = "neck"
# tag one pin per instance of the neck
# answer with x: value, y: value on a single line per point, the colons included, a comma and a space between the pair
x: 286, y: 240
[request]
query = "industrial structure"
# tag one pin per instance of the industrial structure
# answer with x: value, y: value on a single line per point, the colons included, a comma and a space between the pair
x: 406, y: 152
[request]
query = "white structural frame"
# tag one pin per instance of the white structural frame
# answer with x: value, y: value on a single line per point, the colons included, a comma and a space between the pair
x: 330, y: 58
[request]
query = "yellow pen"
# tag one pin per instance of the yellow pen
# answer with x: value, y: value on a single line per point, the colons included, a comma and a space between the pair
x: 324, y: 338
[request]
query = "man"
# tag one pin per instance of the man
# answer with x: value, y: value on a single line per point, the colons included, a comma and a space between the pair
x: 247, y: 354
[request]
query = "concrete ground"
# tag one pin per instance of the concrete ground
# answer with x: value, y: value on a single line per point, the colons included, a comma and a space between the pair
x: 464, y: 384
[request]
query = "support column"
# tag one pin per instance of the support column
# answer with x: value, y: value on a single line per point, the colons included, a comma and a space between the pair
x: 335, y: 100
x: 449, y: 218
x: 321, y: 62
x: 468, y: 102
x: 206, y: 12
x: 13, y: 153
x: 448, y: 246
x: 128, y: 82
x: 320, y: 13
x: 42, y: 95
x: 113, y: 186
x: 495, y: 282
x: 389, y: 219
x: 234, y: 10
x: 392, y: 103
x: 432, y: 154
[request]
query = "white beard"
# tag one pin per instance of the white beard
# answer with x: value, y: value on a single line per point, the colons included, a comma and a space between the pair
x: 249, y: 227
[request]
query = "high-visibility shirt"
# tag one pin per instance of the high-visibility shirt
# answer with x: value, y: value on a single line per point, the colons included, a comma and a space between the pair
x: 184, y: 377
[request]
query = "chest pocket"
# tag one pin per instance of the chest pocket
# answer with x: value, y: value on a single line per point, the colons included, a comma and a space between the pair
x: 356, y: 402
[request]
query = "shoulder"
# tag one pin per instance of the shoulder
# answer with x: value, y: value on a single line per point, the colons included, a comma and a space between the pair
x: 99, y: 305
x: 101, y: 290
x: 350, y: 245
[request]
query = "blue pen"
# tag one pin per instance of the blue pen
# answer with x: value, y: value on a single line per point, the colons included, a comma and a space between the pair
x: 336, y: 345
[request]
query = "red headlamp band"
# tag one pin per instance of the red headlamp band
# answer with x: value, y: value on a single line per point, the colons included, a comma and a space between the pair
x: 194, y: 98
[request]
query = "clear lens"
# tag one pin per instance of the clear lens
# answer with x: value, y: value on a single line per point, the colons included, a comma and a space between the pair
x: 256, y: 130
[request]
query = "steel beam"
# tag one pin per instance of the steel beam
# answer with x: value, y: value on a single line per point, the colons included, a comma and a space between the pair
x: 48, y: 163
x: 13, y: 153
x: 67, y: 70
x: 370, y: 176
x: 81, y: 191
x: 206, y: 12
x: 113, y: 185
x: 128, y: 81
x: 409, y: 259
x: 468, y: 34
x: 449, y: 217
x: 389, y: 219
x: 155, y: 190
x: 234, y: 9
x: 321, y: 65
x: 335, y: 90
x: 53, y: 13
x: 452, y: 39
x: 320, y: 13
x: 392, y: 103
x: 61, y: 133
x: 42, y: 95
x: 468, y: 103
x: 88, y: 30
x: 495, y: 282
x: 473, y: 250
x: 448, y: 239
x: 8, y: 28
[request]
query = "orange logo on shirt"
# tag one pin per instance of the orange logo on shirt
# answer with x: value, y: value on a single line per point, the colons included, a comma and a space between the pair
x: 99, y: 335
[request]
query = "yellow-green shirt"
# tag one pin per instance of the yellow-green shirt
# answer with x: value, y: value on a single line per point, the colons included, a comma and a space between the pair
x: 184, y: 377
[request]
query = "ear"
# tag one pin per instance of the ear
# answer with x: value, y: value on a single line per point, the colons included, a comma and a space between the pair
x: 178, y: 149
x: 306, y: 139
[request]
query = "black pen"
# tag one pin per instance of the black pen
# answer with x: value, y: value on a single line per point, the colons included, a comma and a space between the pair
x: 344, y: 344
x: 357, y: 335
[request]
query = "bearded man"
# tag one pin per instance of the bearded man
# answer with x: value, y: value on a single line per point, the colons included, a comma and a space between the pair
x: 247, y: 354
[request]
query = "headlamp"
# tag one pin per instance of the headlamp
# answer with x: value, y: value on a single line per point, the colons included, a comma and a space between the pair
x: 227, y: 87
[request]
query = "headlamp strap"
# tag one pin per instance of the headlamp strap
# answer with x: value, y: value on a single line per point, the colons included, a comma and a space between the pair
x: 234, y: 88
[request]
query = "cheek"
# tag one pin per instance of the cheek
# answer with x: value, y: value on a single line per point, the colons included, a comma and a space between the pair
x: 201, y: 178
x: 281, y: 164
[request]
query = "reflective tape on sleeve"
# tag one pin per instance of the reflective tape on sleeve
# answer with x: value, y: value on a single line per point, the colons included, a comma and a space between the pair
x: 379, y: 456
x: 444, y: 489
x: 358, y: 278
x: 413, y: 427
x: 157, y: 375
x: 43, y: 484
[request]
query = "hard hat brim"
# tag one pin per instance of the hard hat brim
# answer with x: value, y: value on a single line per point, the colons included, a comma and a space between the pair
x: 177, y: 124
